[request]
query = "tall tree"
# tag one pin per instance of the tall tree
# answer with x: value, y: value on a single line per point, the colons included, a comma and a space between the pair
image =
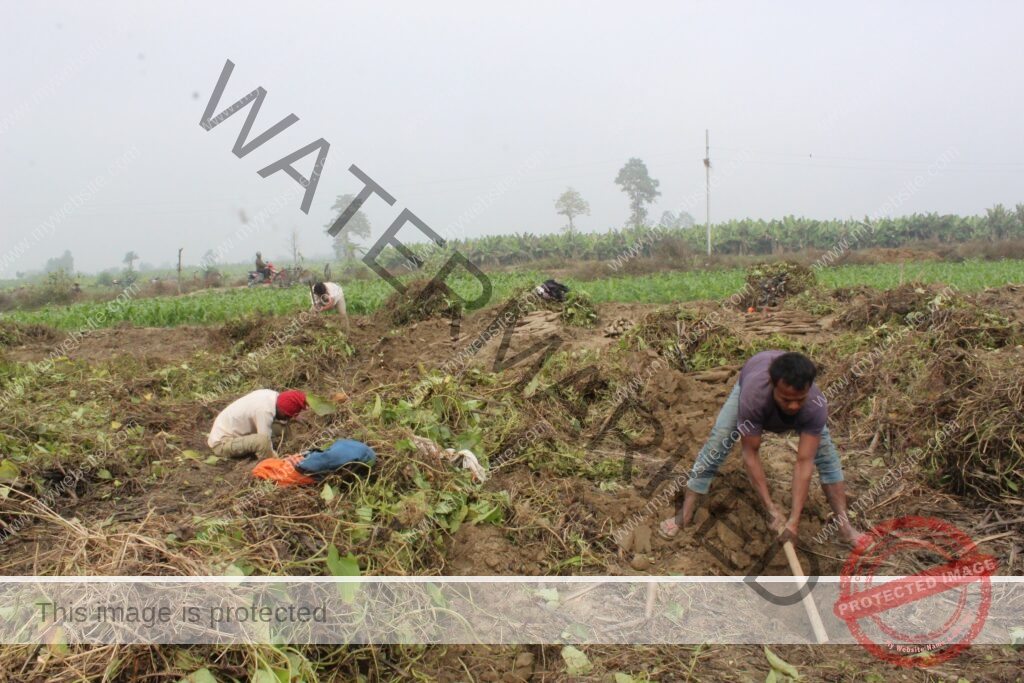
x: 129, y: 260
x: 571, y: 204
x: 345, y: 247
x: 640, y: 187
x: 65, y: 262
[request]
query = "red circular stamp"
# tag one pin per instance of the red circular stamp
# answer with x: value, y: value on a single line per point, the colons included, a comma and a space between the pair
x: 907, y: 621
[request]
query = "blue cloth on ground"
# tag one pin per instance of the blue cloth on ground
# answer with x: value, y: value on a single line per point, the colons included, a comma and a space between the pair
x: 318, y: 463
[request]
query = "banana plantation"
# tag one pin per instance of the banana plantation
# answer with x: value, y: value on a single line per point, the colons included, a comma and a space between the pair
x: 741, y: 237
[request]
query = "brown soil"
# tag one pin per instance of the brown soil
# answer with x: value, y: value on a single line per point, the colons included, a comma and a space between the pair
x: 535, y: 539
x: 685, y: 403
x: 160, y: 344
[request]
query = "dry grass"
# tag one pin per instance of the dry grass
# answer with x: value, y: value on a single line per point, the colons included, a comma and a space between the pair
x: 957, y: 364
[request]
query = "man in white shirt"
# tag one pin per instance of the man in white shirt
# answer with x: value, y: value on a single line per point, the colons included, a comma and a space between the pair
x: 246, y: 426
x: 327, y: 295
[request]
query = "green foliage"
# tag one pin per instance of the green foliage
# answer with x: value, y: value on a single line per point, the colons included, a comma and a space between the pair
x: 58, y: 287
x: 65, y: 262
x: 129, y: 260
x: 578, y: 310
x: 679, y: 221
x: 641, y: 189
x: 571, y: 204
x: 358, y: 226
x: 717, y: 350
x: 781, y: 670
x: 770, y: 283
x: 438, y: 410
x: 366, y: 296
x: 740, y: 237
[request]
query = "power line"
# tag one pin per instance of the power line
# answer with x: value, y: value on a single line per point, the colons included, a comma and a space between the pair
x: 801, y: 155
x: 944, y: 169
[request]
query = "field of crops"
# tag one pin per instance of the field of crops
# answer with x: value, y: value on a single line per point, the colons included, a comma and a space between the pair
x: 128, y: 413
x: 366, y: 296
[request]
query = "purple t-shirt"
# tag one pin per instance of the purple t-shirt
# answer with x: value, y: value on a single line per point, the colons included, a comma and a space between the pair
x: 758, y: 411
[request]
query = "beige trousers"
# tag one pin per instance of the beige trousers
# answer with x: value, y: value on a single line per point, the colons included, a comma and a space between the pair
x: 240, y: 446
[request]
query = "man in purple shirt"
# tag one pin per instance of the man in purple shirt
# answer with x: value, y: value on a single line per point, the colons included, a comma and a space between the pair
x: 775, y: 392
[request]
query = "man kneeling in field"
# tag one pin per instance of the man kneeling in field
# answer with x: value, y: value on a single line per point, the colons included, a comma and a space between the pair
x: 247, y: 425
x: 328, y: 295
x: 775, y: 392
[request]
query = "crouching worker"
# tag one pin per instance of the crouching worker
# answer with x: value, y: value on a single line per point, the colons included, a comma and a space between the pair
x: 328, y: 295
x: 312, y: 466
x: 246, y: 426
x: 775, y: 392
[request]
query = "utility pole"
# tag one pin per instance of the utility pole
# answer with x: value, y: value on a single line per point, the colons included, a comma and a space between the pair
x: 179, y: 268
x: 707, y: 186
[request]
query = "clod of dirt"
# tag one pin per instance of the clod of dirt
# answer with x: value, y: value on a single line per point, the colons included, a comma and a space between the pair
x: 523, y: 666
x: 524, y: 661
x: 617, y: 327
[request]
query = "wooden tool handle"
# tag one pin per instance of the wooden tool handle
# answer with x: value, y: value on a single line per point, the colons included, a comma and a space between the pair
x: 808, y: 600
x: 794, y: 561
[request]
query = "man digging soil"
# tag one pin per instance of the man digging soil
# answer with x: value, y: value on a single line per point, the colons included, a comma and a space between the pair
x: 775, y: 392
x: 246, y: 426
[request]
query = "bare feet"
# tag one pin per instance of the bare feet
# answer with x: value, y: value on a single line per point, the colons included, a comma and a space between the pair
x: 670, y: 528
x: 684, y: 517
x: 851, y: 535
x: 836, y: 496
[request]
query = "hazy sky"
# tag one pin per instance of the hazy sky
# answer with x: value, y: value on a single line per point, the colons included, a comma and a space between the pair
x: 837, y: 107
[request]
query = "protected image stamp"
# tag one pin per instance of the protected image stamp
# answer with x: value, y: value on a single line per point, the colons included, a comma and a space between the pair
x: 910, y: 621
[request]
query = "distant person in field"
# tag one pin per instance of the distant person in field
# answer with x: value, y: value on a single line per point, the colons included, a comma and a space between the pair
x: 775, y: 392
x: 328, y: 295
x: 262, y: 267
x: 247, y: 426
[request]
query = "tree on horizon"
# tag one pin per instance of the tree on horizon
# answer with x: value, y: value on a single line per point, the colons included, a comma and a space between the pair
x: 640, y: 187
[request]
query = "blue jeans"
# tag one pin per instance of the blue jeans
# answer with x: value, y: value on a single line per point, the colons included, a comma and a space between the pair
x: 726, y: 433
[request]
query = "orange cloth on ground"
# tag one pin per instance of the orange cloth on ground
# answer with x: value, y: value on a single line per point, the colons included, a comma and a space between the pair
x: 281, y: 471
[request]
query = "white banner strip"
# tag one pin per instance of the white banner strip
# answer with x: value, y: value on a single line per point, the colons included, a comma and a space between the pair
x: 505, y: 610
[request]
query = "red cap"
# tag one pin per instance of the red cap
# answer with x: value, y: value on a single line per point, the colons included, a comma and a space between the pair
x: 291, y: 403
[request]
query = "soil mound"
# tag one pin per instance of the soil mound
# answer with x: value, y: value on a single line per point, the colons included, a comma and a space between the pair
x: 422, y: 300
x: 769, y: 284
x: 875, y: 308
x: 15, y: 334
